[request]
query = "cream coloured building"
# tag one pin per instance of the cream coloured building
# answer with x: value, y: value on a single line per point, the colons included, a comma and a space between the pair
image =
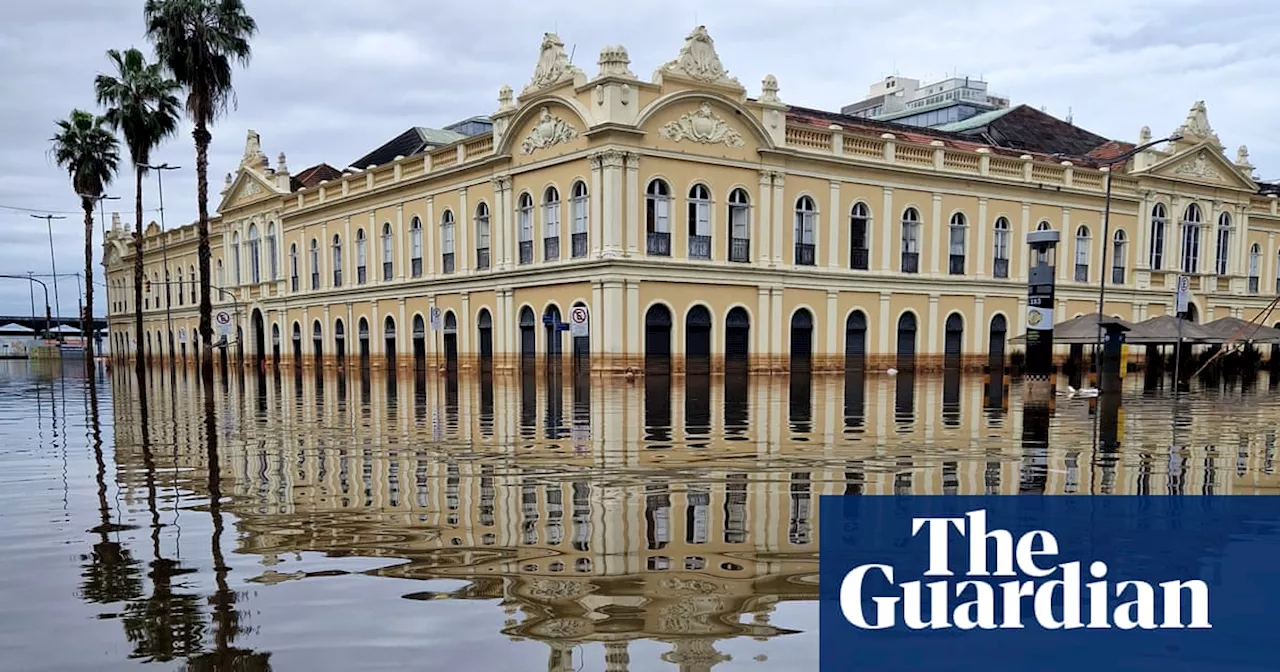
x: 694, y: 218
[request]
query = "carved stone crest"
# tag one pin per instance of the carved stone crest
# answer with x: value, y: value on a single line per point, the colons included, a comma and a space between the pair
x: 702, y: 126
x: 550, y: 130
x: 1197, y: 124
x: 553, y: 65
x: 1198, y: 167
x: 699, y: 61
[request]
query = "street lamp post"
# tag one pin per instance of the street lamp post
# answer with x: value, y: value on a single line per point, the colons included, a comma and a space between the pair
x: 164, y: 252
x: 53, y: 262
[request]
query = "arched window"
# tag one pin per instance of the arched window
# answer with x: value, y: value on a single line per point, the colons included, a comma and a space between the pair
x: 1224, y: 243
x: 191, y: 273
x: 699, y: 222
x: 1082, y: 254
x: 482, y: 236
x: 657, y: 218
x: 219, y: 275
x: 446, y: 241
x: 551, y: 224
x: 1191, y: 222
x: 415, y: 247
x: 1159, y: 217
x: 337, y: 260
x: 911, y: 241
x: 1044, y: 225
x: 739, y: 226
x: 273, y: 261
x: 388, y: 253
x: 168, y: 295
x: 580, y: 220
x: 362, y: 257
x: 1119, y: 256
x: 180, y: 292
x: 235, y: 257
x: 859, y: 226
x: 314, y: 261
x: 1000, y: 267
x: 293, y: 267
x: 524, y: 222
x: 255, y: 263
x: 956, y: 232
x: 806, y: 232
x: 1255, y: 267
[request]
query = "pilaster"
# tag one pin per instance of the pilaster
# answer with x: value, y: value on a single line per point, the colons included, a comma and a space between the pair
x: 761, y: 330
x: 465, y: 329
x: 981, y: 249
x: 833, y: 320
x: 373, y: 250
x: 596, y: 207
x: 461, y: 245
x: 609, y: 315
x: 1065, y: 257
x: 398, y: 244
x: 888, y: 219
x: 634, y: 345
x: 430, y: 230
x: 633, y: 201
x: 779, y: 217
x: 1142, y: 255
x: 1018, y: 244
x: 979, y: 325
x: 885, y: 322
x: 933, y: 330
x: 937, y: 234
x: 764, y: 214
x: 833, y: 220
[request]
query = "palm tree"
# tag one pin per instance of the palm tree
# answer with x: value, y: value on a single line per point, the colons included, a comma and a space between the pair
x: 90, y: 154
x: 198, y: 40
x: 142, y: 103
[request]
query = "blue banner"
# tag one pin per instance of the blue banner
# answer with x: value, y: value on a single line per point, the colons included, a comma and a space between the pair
x: 987, y: 584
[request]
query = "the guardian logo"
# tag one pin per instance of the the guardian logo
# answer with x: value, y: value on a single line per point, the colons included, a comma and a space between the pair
x: 1038, y: 586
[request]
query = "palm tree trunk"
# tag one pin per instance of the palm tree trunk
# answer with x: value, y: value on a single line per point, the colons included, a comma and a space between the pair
x: 86, y: 320
x: 202, y: 138
x: 140, y: 362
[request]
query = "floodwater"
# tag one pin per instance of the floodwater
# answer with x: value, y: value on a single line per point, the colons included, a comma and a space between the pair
x: 503, y: 522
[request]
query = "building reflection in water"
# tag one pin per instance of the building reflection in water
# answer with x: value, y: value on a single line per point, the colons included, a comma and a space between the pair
x: 680, y: 508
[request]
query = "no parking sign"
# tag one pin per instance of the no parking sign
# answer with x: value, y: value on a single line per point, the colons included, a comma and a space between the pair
x: 578, y: 317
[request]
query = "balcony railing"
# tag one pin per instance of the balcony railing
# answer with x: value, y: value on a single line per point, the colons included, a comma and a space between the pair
x: 447, y: 261
x: 315, y: 280
x: 386, y: 270
x: 526, y: 251
x: 1000, y: 268
x: 551, y: 248
x: 699, y: 247
x: 362, y: 275
x: 740, y: 250
x: 956, y: 265
x: 910, y: 262
x: 658, y: 244
x: 415, y: 266
x: 1117, y: 275
x: 805, y: 254
x: 1082, y: 272
x: 578, y: 243
x: 482, y: 258
x: 1253, y: 285
x: 859, y: 258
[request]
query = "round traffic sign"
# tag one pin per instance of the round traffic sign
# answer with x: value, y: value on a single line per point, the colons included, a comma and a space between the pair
x: 222, y: 317
x: 578, y: 315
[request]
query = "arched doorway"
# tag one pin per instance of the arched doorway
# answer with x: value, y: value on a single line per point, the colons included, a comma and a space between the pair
x: 801, y: 341
x: 1193, y: 313
x: 528, y: 338
x: 362, y: 337
x: 997, y: 339
x: 259, y: 338
x: 581, y: 344
x: 697, y: 340
x: 297, y: 345
x: 657, y: 337
x: 340, y: 342
x: 737, y: 338
x: 419, y: 342
x: 484, y: 323
x: 389, y: 340
x: 317, y: 342
x: 907, y: 342
x: 450, y: 339
x: 551, y: 325
x: 275, y: 346
x: 953, y: 343
x: 855, y: 341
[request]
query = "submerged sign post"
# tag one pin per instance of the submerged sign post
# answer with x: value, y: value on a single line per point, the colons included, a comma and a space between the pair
x: 1048, y: 583
x: 223, y: 324
x: 578, y: 321
x: 1183, y: 295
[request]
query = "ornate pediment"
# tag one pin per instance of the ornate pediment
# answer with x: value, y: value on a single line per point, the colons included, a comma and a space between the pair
x: 702, y: 125
x: 553, y: 66
x: 1204, y: 164
x: 246, y: 188
x: 699, y: 61
x: 550, y: 130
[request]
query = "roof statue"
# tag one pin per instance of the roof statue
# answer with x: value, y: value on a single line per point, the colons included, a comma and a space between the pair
x: 1197, y: 124
x: 1242, y: 160
x: 769, y: 90
x: 253, y: 156
x: 615, y: 61
x: 553, y: 65
x: 699, y: 61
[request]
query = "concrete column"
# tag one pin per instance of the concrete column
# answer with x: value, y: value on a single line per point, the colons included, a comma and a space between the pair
x: 609, y: 314
x: 764, y: 215
x: 373, y: 249
x: 888, y: 226
x: 635, y: 347
x: 432, y: 337
x: 634, y: 202
x: 465, y: 327
x: 497, y: 229
x: 612, y: 223
x: 595, y: 325
x: 778, y: 324
x: 886, y: 322
x: 937, y: 236
x: 399, y: 245
x: 404, y: 344
x: 981, y: 249
x: 349, y: 254
x: 462, y: 225
x: 933, y: 330
x: 834, y: 222
x: 833, y: 320
x: 760, y: 324
x: 1066, y: 254
x: 978, y: 325
x: 501, y: 327
x: 1142, y: 255
x: 780, y: 218
x: 1241, y: 266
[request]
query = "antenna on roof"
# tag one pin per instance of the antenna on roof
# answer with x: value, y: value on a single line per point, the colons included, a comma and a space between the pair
x: 572, y: 50
x: 1069, y: 117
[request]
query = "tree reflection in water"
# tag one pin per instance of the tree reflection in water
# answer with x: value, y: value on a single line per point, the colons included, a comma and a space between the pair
x: 110, y: 573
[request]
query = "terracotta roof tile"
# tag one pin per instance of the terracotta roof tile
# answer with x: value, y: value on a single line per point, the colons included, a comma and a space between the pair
x: 312, y: 176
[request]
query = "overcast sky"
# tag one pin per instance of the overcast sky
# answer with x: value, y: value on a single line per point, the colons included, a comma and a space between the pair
x: 332, y: 79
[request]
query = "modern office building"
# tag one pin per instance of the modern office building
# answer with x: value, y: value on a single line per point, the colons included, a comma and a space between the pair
x: 698, y: 222
x: 906, y: 101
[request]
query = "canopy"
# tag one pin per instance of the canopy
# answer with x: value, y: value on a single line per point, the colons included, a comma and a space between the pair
x: 1163, y: 329
x: 1228, y: 328
x: 15, y: 328
x: 1080, y: 330
x: 65, y: 329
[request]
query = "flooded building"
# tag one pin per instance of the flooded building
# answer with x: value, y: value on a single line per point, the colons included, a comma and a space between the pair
x: 694, y: 219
